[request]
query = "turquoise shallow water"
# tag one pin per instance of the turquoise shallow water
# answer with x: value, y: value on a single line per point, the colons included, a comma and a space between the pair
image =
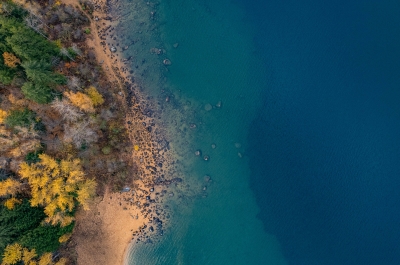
x: 214, y: 62
x: 305, y: 169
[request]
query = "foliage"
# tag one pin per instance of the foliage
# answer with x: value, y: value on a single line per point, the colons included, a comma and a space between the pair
x: 10, y: 203
x: 10, y: 60
x: 38, y: 92
x: 23, y: 118
x: 40, y: 72
x: 57, y: 187
x: 81, y: 101
x: 12, y: 254
x: 9, y: 187
x: 44, y: 238
x: 64, y: 238
x: 3, y: 115
x: 33, y: 157
x: 29, y: 45
x: 95, y: 96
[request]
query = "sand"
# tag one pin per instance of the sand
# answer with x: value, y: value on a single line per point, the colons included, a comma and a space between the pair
x: 103, y: 233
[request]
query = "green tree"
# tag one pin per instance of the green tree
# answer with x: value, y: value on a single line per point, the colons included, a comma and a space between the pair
x: 39, y: 93
x: 23, y: 118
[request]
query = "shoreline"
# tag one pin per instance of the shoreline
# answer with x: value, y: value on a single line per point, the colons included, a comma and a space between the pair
x: 104, y: 234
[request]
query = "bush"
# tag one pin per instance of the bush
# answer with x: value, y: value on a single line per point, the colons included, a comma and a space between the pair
x: 23, y: 118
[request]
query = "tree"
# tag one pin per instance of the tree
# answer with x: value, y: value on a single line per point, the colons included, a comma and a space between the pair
x: 55, y: 185
x: 10, y: 203
x: 10, y: 60
x: 3, y: 115
x: 95, y: 96
x: 12, y: 254
x: 67, y: 110
x: 79, y: 133
x: 40, y: 72
x: 20, y: 117
x: 81, y: 101
x: 39, y: 93
x: 9, y: 187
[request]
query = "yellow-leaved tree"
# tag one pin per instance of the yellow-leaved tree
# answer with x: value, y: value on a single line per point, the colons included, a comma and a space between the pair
x: 12, y: 254
x: 57, y: 186
x: 3, y: 115
x: 80, y: 100
x: 9, y: 187
x: 95, y: 96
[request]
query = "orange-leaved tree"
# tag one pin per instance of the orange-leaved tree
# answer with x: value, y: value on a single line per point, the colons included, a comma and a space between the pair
x: 57, y: 186
x: 80, y: 100
x: 11, y: 60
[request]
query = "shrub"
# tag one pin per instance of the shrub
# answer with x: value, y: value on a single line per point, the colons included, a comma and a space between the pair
x: 23, y: 118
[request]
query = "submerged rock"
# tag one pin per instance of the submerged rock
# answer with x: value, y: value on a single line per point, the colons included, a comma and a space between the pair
x: 197, y: 152
x: 208, y: 107
x: 167, y: 62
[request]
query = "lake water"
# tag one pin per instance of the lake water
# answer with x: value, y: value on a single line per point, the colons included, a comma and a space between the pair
x: 306, y: 168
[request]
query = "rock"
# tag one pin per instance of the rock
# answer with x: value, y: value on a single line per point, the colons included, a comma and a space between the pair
x: 219, y: 104
x: 152, y: 189
x: 192, y: 126
x: 206, y: 158
x: 208, y: 107
x: 204, y: 188
x: 197, y: 152
x: 171, y: 194
x: 113, y: 49
x: 167, y: 62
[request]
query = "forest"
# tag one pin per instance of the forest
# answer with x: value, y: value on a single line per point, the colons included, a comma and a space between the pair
x: 61, y: 141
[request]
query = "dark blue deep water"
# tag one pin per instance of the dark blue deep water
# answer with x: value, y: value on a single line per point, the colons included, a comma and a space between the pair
x: 325, y: 146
